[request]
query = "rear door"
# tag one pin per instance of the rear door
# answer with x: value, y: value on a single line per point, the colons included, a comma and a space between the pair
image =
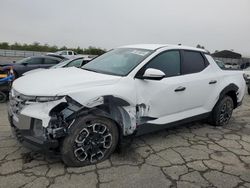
x: 200, y: 81
x: 31, y: 64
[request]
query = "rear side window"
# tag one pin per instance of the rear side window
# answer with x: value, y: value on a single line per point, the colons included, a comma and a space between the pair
x: 193, y: 62
x: 50, y: 61
x: 34, y: 61
x: 168, y: 62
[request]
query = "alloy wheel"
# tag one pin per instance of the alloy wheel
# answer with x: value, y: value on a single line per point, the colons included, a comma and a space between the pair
x: 226, y: 112
x: 92, y: 143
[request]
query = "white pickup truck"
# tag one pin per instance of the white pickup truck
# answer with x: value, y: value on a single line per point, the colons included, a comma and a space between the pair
x: 69, y: 54
x: 84, y: 113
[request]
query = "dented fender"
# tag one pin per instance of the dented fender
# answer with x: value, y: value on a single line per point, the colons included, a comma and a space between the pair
x: 55, y: 114
x: 115, y: 108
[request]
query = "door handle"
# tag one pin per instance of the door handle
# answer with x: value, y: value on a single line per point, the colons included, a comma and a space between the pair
x: 179, y: 89
x: 213, y: 82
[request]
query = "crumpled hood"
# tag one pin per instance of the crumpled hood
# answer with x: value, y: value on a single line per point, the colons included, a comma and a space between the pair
x: 61, y: 81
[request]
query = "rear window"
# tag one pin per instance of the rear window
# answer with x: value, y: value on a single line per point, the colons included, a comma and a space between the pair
x: 193, y: 62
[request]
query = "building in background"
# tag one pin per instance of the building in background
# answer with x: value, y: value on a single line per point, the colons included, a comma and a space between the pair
x: 231, y: 59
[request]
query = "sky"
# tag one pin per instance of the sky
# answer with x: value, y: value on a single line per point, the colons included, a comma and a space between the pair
x: 215, y: 24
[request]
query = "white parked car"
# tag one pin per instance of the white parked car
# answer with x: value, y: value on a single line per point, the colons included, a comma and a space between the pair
x: 84, y: 113
x: 247, y: 78
x: 247, y: 73
x: 231, y: 66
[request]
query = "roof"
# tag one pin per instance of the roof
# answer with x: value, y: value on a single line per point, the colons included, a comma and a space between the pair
x: 227, y: 54
x: 157, y: 46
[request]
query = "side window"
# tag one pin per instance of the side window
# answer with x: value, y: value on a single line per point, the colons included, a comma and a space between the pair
x: 34, y: 61
x: 193, y: 62
x: 63, y: 53
x: 50, y: 61
x: 75, y: 63
x: 70, y: 53
x: 168, y: 62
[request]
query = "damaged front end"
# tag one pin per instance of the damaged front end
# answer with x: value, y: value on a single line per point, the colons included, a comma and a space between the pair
x: 39, y: 124
x: 61, y: 117
x: 116, y: 109
x: 42, y: 124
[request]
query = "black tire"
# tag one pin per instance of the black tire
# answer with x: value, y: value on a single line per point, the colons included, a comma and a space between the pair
x: 248, y: 89
x: 222, y: 111
x: 15, y: 74
x: 90, y: 140
x: 3, y: 97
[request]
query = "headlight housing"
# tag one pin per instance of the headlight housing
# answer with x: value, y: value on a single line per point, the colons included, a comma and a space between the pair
x: 39, y: 98
x: 37, y: 127
x: 27, y: 98
x: 48, y: 98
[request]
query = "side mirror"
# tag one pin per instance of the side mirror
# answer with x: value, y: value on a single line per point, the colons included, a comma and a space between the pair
x: 153, y: 74
x: 24, y: 64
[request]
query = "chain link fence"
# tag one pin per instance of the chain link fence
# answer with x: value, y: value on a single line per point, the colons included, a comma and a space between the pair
x: 20, y: 53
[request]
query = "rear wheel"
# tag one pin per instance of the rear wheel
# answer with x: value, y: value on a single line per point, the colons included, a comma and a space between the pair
x: 91, y: 139
x: 222, y: 111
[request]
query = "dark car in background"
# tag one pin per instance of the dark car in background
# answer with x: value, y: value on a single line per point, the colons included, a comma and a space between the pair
x: 31, y: 63
x: 77, y: 62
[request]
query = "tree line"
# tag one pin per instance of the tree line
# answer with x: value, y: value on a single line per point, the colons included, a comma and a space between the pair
x: 36, y: 46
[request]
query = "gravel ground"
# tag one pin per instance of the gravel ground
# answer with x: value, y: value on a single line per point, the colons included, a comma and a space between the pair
x: 195, y: 155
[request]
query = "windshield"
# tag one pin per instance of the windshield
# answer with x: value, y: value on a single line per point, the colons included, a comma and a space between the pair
x: 118, y: 62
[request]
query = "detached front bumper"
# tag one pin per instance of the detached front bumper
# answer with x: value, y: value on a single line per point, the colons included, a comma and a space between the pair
x: 24, y: 130
x: 40, y: 125
x: 29, y: 123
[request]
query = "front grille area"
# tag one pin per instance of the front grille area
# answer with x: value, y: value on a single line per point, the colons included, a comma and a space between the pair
x: 18, y: 134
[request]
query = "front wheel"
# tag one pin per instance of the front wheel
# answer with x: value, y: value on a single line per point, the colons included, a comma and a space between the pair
x: 90, y: 139
x: 222, y: 111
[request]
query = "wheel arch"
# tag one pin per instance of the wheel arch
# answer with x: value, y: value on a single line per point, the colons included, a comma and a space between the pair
x: 230, y: 90
x: 119, y: 110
